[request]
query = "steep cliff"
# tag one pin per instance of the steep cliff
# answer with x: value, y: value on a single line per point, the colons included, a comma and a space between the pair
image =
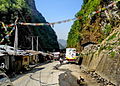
x: 92, y: 29
x: 105, y: 57
x: 98, y: 38
x: 27, y: 12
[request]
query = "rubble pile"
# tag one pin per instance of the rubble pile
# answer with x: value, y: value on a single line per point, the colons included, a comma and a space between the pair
x: 98, y: 78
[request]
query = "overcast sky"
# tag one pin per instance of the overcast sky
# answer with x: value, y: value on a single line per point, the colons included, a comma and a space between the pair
x: 57, y: 10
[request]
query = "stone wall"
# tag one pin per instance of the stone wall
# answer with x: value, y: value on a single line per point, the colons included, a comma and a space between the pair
x: 105, y: 60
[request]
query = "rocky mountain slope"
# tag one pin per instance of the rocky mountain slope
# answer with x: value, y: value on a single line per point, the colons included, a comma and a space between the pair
x: 27, y: 12
x: 98, y: 39
x: 62, y: 43
x: 93, y: 28
x: 104, y: 58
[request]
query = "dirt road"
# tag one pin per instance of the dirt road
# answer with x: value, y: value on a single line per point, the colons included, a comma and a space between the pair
x: 52, y: 75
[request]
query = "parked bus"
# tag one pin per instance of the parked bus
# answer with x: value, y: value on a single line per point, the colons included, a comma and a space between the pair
x: 71, y: 54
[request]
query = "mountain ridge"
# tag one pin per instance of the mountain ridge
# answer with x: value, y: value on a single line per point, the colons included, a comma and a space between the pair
x: 63, y: 42
x: 27, y: 12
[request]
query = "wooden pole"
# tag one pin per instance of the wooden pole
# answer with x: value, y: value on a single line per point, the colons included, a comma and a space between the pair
x: 16, y: 37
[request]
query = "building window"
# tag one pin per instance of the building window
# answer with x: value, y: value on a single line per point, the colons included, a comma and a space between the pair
x: 25, y: 59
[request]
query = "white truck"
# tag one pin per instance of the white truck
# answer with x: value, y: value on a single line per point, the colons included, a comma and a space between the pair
x: 56, y: 55
x: 71, y: 54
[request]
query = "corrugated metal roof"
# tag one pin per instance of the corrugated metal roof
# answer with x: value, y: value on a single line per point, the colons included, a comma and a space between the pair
x: 2, y: 54
x: 33, y: 52
x: 11, y: 51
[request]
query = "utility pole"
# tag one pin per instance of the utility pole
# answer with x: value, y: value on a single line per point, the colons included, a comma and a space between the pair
x: 37, y: 44
x: 32, y: 43
x: 16, y: 37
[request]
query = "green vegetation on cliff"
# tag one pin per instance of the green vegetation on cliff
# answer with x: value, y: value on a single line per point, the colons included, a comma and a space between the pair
x: 76, y: 32
x: 91, y: 28
x: 99, y: 38
x: 5, y: 5
x: 27, y: 12
x: 74, y: 35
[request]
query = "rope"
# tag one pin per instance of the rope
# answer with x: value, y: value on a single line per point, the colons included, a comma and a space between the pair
x: 29, y: 27
x: 103, y: 9
x: 7, y: 35
x: 68, y: 20
x: 3, y: 25
x: 58, y: 22
x: 41, y: 24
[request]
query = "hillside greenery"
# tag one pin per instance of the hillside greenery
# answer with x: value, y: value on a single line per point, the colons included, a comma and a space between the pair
x: 25, y: 10
x: 75, y: 35
x: 5, y: 5
x: 88, y: 26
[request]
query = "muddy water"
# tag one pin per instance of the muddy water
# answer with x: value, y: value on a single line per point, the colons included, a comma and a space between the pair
x: 67, y: 79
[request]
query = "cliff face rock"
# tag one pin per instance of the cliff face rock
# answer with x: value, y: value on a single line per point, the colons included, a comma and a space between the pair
x: 35, y: 13
x: 93, y: 28
x: 27, y: 12
x: 98, y: 38
x: 105, y: 57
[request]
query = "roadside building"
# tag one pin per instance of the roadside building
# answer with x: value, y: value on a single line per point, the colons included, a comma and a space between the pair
x: 4, y: 61
x: 34, y: 57
x: 19, y: 61
x: 14, y: 61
